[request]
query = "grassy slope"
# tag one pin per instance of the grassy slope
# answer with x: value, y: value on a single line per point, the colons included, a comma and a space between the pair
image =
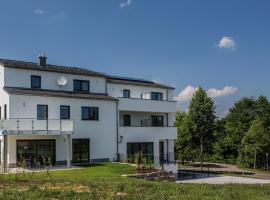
x: 105, y: 182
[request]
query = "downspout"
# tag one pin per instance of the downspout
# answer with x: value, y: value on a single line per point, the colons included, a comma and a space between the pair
x: 117, y: 132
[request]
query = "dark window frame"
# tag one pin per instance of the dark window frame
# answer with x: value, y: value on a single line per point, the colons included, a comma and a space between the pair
x: 80, y: 152
x: 80, y: 89
x: 89, y: 117
x: 155, y: 121
x: 155, y: 96
x: 5, y: 111
x: 32, y: 82
x: 65, y: 106
x: 126, y: 91
x: 129, y: 120
x: 46, y: 118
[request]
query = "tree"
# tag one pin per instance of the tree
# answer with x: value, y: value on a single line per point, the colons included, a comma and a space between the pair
x: 237, y: 123
x: 255, y: 141
x: 183, y: 144
x: 201, y: 120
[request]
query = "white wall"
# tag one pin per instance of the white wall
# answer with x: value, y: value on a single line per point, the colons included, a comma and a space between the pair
x: 116, y: 90
x: 102, y: 133
x: 22, y: 78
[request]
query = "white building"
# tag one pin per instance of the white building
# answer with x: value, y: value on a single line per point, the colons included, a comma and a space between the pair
x: 63, y: 115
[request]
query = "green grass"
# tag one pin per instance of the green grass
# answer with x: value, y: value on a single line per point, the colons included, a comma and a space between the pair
x: 104, y: 181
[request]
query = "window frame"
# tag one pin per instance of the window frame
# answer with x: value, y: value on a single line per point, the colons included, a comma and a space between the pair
x: 154, y: 96
x: 46, y: 106
x: 157, y: 124
x: 32, y: 81
x: 128, y: 92
x: 129, y: 120
x: 65, y: 106
x: 81, y: 85
x: 89, y: 118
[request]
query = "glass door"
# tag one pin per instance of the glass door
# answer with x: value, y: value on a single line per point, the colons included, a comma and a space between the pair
x: 81, y: 150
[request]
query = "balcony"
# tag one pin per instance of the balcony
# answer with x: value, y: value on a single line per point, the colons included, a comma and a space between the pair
x: 34, y: 126
x: 146, y: 133
x: 146, y: 105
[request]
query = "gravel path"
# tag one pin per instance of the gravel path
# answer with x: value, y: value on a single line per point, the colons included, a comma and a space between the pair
x: 220, y: 179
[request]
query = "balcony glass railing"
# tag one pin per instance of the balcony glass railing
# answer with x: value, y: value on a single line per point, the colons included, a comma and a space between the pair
x: 34, y: 125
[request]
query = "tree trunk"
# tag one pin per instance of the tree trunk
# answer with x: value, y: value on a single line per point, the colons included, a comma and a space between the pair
x: 201, y: 151
x: 255, y: 158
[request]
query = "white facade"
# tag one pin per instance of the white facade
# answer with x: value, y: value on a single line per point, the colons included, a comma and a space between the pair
x: 108, y: 135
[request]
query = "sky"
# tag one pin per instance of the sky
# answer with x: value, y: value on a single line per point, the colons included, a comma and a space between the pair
x: 221, y: 45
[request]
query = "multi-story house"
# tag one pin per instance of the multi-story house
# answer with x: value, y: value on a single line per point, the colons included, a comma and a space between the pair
x: 63, y: 115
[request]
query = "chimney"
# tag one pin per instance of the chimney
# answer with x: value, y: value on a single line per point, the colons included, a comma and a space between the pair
x: 42, y: 60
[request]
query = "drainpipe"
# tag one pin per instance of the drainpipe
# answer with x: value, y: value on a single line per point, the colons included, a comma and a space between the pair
x: 5, y: 151
x: 117, y: 132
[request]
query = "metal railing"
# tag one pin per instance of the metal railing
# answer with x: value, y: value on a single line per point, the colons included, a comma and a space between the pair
x: 31, y: 125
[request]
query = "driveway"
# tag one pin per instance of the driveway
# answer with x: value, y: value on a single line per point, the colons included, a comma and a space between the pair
x: 220, y: 179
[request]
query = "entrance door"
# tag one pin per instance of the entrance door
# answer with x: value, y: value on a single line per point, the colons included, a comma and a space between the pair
x: 145, y: 148
x: 35, y: 152
x: 80, y: 150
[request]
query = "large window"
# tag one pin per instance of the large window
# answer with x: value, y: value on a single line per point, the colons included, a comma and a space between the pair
x: 64, y: 112
x: 35, y: 81
x: 42, y: 112
x: 156, y: 96
x: 146, y: 148
x: 126, y: 120
x: 36, y: 151
x: 126, y: 93
x: 81, y: 85
x: 157, y: 120
x: 80, y: 150
x: 90, y: 113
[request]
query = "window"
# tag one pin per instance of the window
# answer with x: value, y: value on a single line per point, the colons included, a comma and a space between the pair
x: 146, y: 148
x: 0, y: 112
x: 35, y: 81
x: 157, y: 120
x: 80, y: 150
x: 126, y: 120
x: 89, y: 113
x: 80, y: 85
x: 5, y: 111
x: 126, y: 93
x: 156, y: 96
x: 42, y: 112
x: 64, y: 112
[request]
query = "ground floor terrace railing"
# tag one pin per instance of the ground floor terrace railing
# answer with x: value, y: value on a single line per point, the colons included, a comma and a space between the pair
x: 35, y: 126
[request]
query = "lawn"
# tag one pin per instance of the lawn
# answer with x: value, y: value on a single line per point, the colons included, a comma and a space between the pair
x: 104, y: 181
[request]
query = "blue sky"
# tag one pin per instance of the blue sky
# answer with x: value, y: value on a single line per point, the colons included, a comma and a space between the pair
x: 177, y: 42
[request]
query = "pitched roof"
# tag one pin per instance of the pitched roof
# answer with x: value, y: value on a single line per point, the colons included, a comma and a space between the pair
x: 80, y: 71
x: 57, y: 93
x: 50, y: 68
x: 134, y: 81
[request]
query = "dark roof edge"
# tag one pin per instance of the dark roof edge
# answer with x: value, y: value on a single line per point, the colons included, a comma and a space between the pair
x: 138, y: 83
x: 57, y: 93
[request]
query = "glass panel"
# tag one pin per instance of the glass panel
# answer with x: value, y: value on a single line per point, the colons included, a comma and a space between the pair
x: 157, y: 96
x: 35, y: 82
x: 64, y: 112
x: 76, y: 85
x: 80, y: 150
x: 157, y: 120
x: 126, y: 93
x: 85, y: 86
x: 85, y: 113
x: 126, y: 120
x: 42, y: 112
x: 93, y: 113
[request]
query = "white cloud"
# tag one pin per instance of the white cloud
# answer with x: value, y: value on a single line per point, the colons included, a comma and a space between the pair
x: 227, y: 43
x: 127, y: 3
x: 186, y: 94
x: 213, y: 92
x: 39, y: 12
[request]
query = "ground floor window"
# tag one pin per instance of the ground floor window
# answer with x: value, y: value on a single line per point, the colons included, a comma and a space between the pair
x: 144, y: 148
x: 80, y: 150
x: 35, y: 152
